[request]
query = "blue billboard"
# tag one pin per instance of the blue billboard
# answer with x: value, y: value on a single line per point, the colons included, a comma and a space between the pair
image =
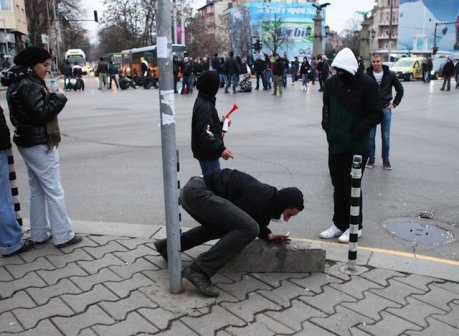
x: 420, y: 19
x: 293, y: 24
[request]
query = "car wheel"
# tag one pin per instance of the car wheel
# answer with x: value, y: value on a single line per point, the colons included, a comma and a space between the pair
x: 410, y: 77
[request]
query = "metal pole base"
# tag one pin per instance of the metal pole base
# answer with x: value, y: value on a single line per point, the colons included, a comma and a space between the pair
x: 357, y: 270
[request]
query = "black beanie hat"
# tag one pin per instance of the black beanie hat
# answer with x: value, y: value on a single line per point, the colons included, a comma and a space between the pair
x: 31, y: 56
x: 290, y: 198
x: 208, y: 82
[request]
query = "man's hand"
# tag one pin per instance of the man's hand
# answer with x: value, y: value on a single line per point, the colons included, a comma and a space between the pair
x: 391, y: 106
x: 279, y: 238
x: 227, y: 154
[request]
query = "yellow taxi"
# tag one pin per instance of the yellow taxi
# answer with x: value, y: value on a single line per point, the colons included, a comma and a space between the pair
x: 408, y: 68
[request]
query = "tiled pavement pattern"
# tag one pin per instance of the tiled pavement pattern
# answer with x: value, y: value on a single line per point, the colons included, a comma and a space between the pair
x: 111, y: 285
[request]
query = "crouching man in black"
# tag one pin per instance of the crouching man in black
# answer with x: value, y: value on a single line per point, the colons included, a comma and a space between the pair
x: 235, y: 207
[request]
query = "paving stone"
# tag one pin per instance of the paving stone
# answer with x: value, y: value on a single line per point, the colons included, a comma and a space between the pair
x: 15, y: 260
x: 217, y: 319
x: 97, y: 252
x: 435, y: 328
x: 371, y: 306
x: 334, y: 270
x: 247, y: 309
x: 438, y: 297
x: 126, y: 271
x: 309, y: 329
x: 294, y: 316
x: 30, y: 280
x: 253, y: 329
x: 63, y: 260
x: 30, y: 317
x: 273, y: 325
x: 133, y: 243
x: 18, y: 271
x: 92, y: 267
x: 132, y: 255
x: 87, y: 332
x: 44, y: 327
x: 18, y: 300
x: 453, y: 287
x: 343, y: 322
x: 159, y: 316
x: 423, y: 310
x: 84, y: 243
x: 451, y: 318
x: 274, y: 279
x: 285, y: 293
x: 53, y: 276
x: 177, y: 328
x: 133, y: 325
x: 42, y: 295
x: 88, y: 281
x: 316, y: 281
x: 4, y: 275
x: 381, y: 276
x: 8, y: 323
x: 105, y: 239
x: 80, y: 302
x: 327, y: 301
x: 390, y: 325
x: 419, y: 281
x: 123, y: 288
x: 397, y: 291
x: 356, y: 287
x: 119, y: 309
x: 230, y: 277
x: 241, y: 288
x: 72, y: 325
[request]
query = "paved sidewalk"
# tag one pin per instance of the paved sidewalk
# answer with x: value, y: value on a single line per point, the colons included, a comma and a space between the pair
x: 118, y: 284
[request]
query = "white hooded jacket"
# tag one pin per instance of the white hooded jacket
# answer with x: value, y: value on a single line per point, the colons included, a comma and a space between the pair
x: 346, y: 60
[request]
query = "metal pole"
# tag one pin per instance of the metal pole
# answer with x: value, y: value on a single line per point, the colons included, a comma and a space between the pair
x: 174, y: 21
x: 57, y: 33
x: 168, y: 141
x: 14, y: 187
x: 356, y: 174
x: 390, y: 30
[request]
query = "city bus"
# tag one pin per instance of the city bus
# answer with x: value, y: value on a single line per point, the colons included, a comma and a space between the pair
x: 115, y: 57
x: 131, y: 59
x: 76, y: 56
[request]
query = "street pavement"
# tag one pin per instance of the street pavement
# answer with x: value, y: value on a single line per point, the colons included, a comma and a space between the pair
x: 115, y: 283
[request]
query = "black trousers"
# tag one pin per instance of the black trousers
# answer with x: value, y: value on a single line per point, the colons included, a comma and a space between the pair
x: 340, y: 166
x: 219, y: 218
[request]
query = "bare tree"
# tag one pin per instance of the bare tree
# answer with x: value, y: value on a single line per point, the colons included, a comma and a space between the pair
x: 202, y: 38
x: 349, y: 35
x: 275, y: 33
x: 241, y: 34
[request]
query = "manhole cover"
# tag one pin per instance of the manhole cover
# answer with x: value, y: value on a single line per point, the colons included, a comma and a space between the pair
x: 421, y: 232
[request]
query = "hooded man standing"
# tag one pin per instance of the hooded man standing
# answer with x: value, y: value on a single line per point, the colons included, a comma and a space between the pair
x: 206, y: 128
x: 235, y: 208
x: 351, y: 109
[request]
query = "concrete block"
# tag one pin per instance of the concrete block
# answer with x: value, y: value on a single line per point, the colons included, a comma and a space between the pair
x: 261, y: 256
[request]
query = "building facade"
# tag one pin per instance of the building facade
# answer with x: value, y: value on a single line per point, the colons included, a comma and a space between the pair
x: 13, y: 28
x: 384, y: 27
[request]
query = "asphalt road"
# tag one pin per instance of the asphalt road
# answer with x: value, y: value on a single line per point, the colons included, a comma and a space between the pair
x: 111, y: 161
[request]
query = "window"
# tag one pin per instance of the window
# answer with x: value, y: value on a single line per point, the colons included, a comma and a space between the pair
x: 5, y: 5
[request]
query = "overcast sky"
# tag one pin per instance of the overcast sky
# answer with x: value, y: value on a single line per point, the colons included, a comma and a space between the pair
x: 338, y: 13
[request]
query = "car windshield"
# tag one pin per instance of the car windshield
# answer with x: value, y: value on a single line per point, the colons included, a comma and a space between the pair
x: 404, y: 63
x: 437, y: 63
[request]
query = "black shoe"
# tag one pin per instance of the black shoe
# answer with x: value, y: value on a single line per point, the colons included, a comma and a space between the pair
x: 27, y: 245
x: 442, y: 89
x: 200, y: 281
x: 75, y: 240
x: 42, y: 242
x: 161, y: 247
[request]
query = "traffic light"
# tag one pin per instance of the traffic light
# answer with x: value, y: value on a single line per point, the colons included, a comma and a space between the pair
x: 257, y: 45
x: 334, y: 52
x: 96, y: 18
x: 434, y: 50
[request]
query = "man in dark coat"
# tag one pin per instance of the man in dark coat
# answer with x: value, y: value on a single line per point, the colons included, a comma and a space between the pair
x: 206, y: 128
x: 447, y: 72
x: 231, y: 71
x: 259, y: 67
x: 278, y: 72
x: 235, y: 208
x: 351, y: 108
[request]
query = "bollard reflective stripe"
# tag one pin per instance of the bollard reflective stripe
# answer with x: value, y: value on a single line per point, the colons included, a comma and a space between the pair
x: 354, y: 221
x: 14, y: 187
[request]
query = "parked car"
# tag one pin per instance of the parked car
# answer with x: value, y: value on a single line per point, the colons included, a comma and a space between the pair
x: 408, y: 68
x: 437, y: 69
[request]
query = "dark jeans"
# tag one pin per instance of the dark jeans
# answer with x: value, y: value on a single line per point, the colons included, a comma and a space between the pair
x: 209, y: 165
x: 340, y: 166
x: 447, y: 82
x: 260, y: 75
x: 219, y: 218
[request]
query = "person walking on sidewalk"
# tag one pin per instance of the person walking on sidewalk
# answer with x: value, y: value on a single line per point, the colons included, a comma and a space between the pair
x: 235, y: 208
x: 351, y: 108
x: 447, y: 72
x: 278, y: 71
x: 102, y: 73
x: 206, y: 128
x: 33, y: 113
x: 386, y: 80
x: 231, y: 71
x: 11, y: 242
x: 304, y: 72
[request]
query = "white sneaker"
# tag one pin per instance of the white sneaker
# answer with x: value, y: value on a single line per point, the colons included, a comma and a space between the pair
x: 331, y: 232
x: 344, y: 238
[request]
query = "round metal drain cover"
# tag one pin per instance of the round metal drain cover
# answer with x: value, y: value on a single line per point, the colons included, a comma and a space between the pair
x: 421, y: 232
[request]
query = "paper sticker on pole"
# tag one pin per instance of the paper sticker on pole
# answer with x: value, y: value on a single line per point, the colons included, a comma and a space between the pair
x: 161, y: 47
x: 167, y: 98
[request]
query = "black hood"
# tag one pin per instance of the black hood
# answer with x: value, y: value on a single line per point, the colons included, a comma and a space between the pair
x: 14, y: 73
x: 288, y: 198
x: 209, y: 83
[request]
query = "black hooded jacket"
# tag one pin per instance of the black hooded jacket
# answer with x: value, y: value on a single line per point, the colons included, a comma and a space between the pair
x: 388, y: 81
x: 206, y: 127
x: 31, y: 106
x: 5, y: 141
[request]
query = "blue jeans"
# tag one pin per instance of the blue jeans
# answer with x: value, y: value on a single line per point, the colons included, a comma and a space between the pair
x: 268, y: 76
x: 231, y: 79
x: 427, y: 76
x: 209, y: 165
x: 305, y: 79
x: 385, y: 136
x: 10, y: 230
x: 186, y: 83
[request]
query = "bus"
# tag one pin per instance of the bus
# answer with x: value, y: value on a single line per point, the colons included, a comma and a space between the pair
x: 115, y: 57
x: 131, y: 58
x: 76, y: 56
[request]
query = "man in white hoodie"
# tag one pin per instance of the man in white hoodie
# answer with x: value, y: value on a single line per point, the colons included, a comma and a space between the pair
x: 351, y: 108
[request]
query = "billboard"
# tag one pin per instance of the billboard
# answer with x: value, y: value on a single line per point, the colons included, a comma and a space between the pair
x: 291, y: 21
x: 418, y: 20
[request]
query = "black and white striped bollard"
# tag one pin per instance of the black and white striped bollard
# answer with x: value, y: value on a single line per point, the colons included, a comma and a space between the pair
x: 14, y: 187
x: 356, y: 174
